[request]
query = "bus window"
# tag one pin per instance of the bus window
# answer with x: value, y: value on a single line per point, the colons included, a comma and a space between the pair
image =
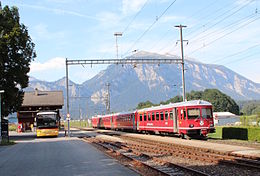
x: 161, y: 114
x: 206, y: 113
x: 141, y: 117
x: 157, y: 115
x: 144, y: 116
x: 166, y: 115
x: 149, y: 117
x: 153, y: 118
x: 193, y: 113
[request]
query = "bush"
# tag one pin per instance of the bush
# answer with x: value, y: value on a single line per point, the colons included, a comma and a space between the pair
x: 234, y: 133
x: 247, y: 133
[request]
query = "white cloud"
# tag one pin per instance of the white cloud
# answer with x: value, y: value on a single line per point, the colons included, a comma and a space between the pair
x: 41, y: 32
x: 171, y: 18
x: 56, y: 63
x: 59, y: 11
x: 132, y: 6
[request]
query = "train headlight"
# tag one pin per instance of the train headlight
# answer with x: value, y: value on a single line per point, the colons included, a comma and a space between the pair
x: 211, y: 125
x: 191, y: 125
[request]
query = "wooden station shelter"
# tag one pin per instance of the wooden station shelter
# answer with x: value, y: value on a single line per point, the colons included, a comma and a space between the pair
x: 36, y: 101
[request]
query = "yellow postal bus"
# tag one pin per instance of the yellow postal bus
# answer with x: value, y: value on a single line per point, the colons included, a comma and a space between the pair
x: 47, y: 124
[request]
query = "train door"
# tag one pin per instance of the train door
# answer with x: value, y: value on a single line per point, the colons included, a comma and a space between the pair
x: 133, y: 120
x: 111, y: 122
x: 174, y: 116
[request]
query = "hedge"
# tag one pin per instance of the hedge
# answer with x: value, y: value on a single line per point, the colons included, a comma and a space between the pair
x: 242, y: 133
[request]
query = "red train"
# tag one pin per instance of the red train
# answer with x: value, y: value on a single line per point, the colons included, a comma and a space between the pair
x: 188, y: 119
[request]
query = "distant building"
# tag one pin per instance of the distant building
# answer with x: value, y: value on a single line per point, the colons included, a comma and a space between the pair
x: 36, y: 101
x: 225, y: 118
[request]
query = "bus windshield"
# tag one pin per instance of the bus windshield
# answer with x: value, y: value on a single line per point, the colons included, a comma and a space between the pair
x: 47, y: 121
x: 193, y: 113
x: 206, y: 113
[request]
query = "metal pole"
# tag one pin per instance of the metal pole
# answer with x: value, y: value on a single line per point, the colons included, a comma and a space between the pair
x: 182, y: 58
x: 67, y: 93
x: 0, y: 118
x: 116, y: 48
x: 1, y: 91
x: 116, y: 34
x: 108, y: 99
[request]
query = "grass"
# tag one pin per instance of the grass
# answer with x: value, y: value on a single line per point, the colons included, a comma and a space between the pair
x: 6, y: 143
x: 82, y: 123
x: 253, y: 133
x: 12, y: 127
x: 217, y: 134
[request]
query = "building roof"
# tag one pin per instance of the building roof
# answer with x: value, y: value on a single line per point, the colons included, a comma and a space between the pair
x: 43, y: 98
x: 224, y: 114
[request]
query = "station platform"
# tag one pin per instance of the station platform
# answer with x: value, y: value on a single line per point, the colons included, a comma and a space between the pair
x: 56, y: 156
x: 224, y: 148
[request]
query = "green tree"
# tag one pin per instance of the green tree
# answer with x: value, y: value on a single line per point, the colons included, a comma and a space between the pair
x: 16, y: 53
x: 146, y: 104
x: 220, y: 101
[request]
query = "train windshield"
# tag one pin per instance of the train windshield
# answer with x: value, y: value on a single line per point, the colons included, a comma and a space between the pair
x: 193, y: 113
x: 206, y: 113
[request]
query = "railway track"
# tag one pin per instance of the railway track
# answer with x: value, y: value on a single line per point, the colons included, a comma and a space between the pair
x: 152, y: 162
x: 166, y: 154
x: 192, y: 153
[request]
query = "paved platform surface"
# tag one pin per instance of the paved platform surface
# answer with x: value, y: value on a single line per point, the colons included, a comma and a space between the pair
x: 196, y: 143
x: 56, y: 156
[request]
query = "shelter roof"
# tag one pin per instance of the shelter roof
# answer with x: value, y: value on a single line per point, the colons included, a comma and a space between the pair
x: 43, y: 98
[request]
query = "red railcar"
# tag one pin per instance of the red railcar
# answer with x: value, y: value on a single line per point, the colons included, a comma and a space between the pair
x: 95, y: 121
x: 125, y: 121
x: 190, y: 118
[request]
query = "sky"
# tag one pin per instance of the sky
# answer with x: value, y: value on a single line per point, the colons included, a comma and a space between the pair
x: 218, y: 32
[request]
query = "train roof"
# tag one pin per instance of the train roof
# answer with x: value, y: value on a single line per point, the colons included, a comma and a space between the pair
x: 172, y: 105
x: 113, y: 114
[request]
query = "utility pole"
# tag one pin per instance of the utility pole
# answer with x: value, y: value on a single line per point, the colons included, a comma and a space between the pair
x: 117, y: 34
x: 79, y: 107
x: 67, y: 93
x: 108, y: 99
x: 1, y: 91
x: 182, y: 58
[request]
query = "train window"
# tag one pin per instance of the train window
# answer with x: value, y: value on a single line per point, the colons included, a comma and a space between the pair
x: 171, y: 115
x: 144, y: 116
x: 141, y: 117
x: 149, y: 117
x: 184, y: 113
x: 153, y: 118
x: 157, y: 115
x: 161, y: 114
x: 206, y: 113
x: 166, y: 115
x: 193, y: 113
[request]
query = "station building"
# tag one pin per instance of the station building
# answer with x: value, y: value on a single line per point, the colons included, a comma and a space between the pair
x: 35, y: 101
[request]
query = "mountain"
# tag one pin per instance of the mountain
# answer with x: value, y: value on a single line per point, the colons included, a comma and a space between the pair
x: 131, y: 84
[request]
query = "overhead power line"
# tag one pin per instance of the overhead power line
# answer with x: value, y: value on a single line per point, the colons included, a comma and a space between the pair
x: 226, y: 17
x: 126, y: 28
x: 149, y: 28
x: 237, y: 53
x: 240, y: 27
x: 215, y: 18
x: 223, y: 29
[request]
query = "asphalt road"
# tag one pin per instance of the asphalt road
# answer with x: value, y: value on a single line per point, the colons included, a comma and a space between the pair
x: 56, y: 156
